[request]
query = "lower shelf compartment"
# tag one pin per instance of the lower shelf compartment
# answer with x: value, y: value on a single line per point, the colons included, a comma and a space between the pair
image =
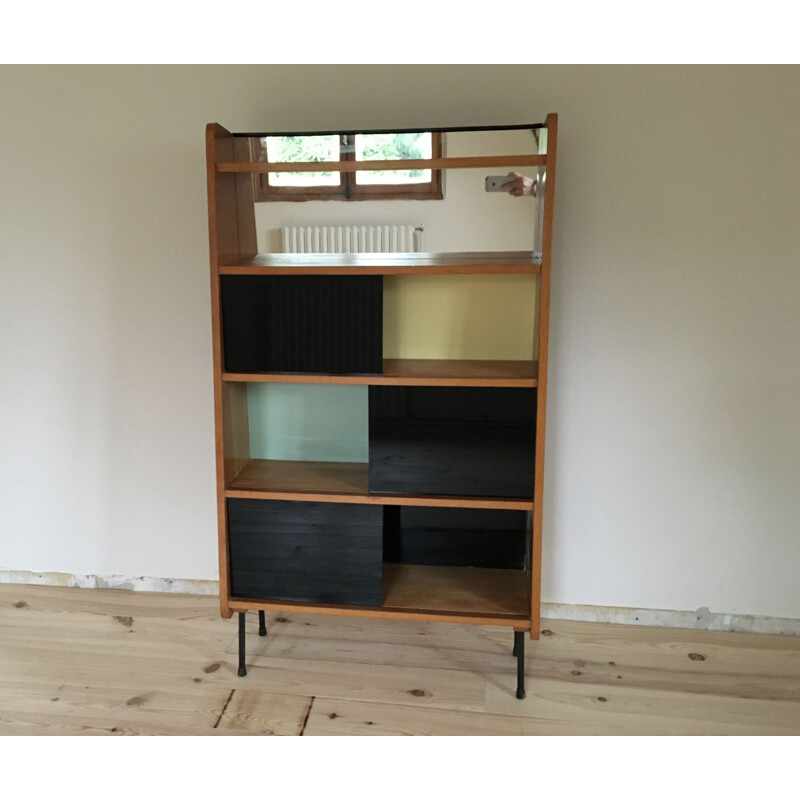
x: 448, y: 594
x: 462, y: 590
x: 367, y: 560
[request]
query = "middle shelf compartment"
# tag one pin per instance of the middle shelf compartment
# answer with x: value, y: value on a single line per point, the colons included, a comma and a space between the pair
x: 474, y: 444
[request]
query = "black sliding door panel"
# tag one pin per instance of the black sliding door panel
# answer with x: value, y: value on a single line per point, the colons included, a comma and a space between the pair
x: 324, y: 324
x: 461, y: 441
x: 455, y: 537
x: 311, y: 552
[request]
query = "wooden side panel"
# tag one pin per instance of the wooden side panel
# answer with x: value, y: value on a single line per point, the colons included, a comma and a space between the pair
x: 541, y: 405
x: 236, y: 433
x: 221, y: 239
x: 222, y: 191
x: 231, y: 227
x: 245, y: 207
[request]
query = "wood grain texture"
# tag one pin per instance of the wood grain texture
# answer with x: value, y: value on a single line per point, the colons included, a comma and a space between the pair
x: 111, y: 662
x: 541, y: 392
x: 295, y: 477
x: 452, y: 372
x: 235, y: 429
x: 420, y: 592
x: 415, y: 372
x: 232, y: 232
x: 339, y: 482
x: 263, y: 713
x: 222, y: 239
x: 307, y: 552
x: 460, y: 589
x: 331, y: 717
x: 413, y: 614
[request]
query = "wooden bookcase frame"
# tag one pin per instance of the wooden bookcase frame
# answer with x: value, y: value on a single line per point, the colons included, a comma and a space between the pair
x: 414, y: 593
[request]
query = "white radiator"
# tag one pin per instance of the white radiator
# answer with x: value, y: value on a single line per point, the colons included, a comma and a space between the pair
x: 352, y: 239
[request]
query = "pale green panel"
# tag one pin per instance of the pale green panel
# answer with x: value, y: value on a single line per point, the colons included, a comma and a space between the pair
x: 308, y: 422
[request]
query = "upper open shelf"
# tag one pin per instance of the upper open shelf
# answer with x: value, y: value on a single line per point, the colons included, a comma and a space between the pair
x: 498, y: 263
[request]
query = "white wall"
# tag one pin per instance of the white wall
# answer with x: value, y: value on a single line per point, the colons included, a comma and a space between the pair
x: 673, y: 453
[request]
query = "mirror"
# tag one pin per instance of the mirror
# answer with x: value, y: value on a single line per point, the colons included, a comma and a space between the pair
x: 466, y: 218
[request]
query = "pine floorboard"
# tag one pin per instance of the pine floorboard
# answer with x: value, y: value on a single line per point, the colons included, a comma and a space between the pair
x: 114, y: 662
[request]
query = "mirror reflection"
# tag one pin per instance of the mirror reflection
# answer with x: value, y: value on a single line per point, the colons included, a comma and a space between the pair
x: 425, y: 210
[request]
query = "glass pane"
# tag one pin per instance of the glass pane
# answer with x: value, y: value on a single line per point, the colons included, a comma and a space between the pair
x: 302, y: 148
x: 393, y: 146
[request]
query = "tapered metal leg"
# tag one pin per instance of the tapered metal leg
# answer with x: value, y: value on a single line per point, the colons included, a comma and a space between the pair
x: 242, y: 668
x: 519, y: 652
x: 262, y: 624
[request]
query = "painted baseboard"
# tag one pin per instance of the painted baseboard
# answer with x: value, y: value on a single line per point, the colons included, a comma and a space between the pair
x: 702, y: 619
x: 173, y: 585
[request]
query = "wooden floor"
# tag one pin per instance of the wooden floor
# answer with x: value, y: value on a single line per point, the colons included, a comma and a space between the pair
x: 93, y: 661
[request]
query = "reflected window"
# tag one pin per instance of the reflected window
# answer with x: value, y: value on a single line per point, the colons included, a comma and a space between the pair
x: 396, y: 146
x: 302, y: 148
x: 418, y: 183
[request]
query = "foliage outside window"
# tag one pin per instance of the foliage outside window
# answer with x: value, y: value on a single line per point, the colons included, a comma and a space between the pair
x: 418, y: 184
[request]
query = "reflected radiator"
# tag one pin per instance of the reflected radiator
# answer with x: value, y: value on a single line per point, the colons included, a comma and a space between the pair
x: 352, y: 239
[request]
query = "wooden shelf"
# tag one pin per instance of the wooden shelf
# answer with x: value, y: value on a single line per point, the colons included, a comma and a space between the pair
x: 262, y: 477
x: 453, y: 372
x: 340, y: 482
x: 466, y: 590
x: 464, y: 162
x: 516, y: 262
x: 452, y: 594
x: 415, y: 372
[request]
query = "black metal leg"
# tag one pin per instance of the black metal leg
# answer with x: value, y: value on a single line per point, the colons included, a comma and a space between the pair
x: 519, y: 651
x: 514, y: 651
x: 242, y: 668
x: 262, y: 624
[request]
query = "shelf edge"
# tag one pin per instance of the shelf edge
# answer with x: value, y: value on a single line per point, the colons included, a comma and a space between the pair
x: 511, y: 504
x: 517, y: 621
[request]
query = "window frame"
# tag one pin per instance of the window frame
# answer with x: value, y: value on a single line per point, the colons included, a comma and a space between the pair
x: 347, y: 189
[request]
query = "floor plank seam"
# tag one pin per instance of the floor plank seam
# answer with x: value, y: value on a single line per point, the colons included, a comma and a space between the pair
x: 308, y: 714
x: 224, y: 708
